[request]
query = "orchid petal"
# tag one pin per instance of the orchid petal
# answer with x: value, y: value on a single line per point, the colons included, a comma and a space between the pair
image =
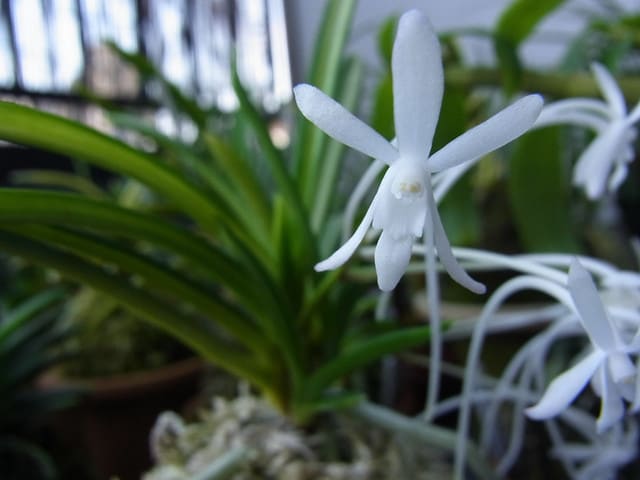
x: 618, y: 176
x: 396, y: 216
x: 610, y: 90
x: 596, y: 382
x: 621, y: 367
x: 340, y: 256
x: 612, y: 407
x: 591, y: 311
x: 418, y: 83
x: 574, y: 452
x: 634, y: 116
x: 360, y: 190
x: 448, y: 260
x: 392, y: 258
x: 490, y: 135
x: 586, y: 106
x: 552, y: 116
x: 340, y: 124
x: 602, y: 466
x: 591, y: 171
x: 627, y: 390
x: 565, y: 387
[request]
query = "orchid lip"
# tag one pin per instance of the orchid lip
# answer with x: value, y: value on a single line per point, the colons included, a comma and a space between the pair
x: 408, y: 183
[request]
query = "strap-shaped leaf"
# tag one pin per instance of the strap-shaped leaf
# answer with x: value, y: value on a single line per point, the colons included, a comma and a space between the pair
x: 27, y: 126
x: 519, y: 20
x: 310, y: 142
x: 358, y: 354
x: 515, y: 24
x: 156, y: 278
x: 327, y: 180
x: 57, y: 179
x: 281, y: 175
x: 26, y: 310
x: 52, y: 208
x: 243, y: 175
x: 242, y: 197
x: 330, y: 401
x: 195, y: 332
x: 149, y: 71
x: 539, y: 193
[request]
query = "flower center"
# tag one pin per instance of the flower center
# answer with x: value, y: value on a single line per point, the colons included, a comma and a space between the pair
x: 408, y: 183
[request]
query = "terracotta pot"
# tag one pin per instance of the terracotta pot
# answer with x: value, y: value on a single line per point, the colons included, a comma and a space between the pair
x: 108, y: 430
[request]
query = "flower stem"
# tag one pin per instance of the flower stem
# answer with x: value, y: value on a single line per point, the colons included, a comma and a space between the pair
x: 433, y: 300
x: 427, y: 434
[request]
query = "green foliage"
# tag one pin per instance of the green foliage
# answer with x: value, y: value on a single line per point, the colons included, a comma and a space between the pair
x: 382, y: 115
x: 109, y: 340
x: 518, y: 21
x: 608, y: 39
x: 515, y: 24
x: 310, y: 143
x: 30, y: 341
x: 219, y: 253
x: 539, y: 193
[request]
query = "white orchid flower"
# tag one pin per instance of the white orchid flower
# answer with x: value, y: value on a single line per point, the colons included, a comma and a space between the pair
x: 604, y: 163
x: 607, y: 366
x: 404, y: 205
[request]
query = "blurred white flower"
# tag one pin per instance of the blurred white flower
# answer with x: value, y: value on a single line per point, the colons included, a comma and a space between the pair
x: 604, y: 163
x: 608, y: 365
x: 404, y: 205
x: 600, y: 456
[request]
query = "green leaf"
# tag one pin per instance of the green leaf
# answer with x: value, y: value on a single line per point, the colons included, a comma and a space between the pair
x: 244, y: 176
x: 310, y: 141
x: 302, y: 235
x: 33, y: 206
x: 330, y: 401
x: 509, y: 63
x: 57, y: 179
x: 457, y: 209
x: 382, y: 116
x: 231, y: 186
x: 327, y: 181
x: 21, y: 314
x: 386, y: 37
x: 460, y: 214
x: 515, y: 24
x: 195, y: 332
x: 27, y: 126
x: 148, y: 71
x: 156, y: 278
x: 539, y: 193
x: 363, y: 352
x: 519, y: 20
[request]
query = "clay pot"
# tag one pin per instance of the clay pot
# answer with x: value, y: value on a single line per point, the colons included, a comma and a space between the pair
x: 107, y: 431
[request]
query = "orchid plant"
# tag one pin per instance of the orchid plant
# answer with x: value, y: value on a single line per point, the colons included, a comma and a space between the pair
x: 230, y: 252
x: 218, y: 251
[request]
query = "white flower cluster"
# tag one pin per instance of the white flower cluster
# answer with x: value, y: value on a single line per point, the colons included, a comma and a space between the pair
x: 608, y: 323
x: 404, y: 209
